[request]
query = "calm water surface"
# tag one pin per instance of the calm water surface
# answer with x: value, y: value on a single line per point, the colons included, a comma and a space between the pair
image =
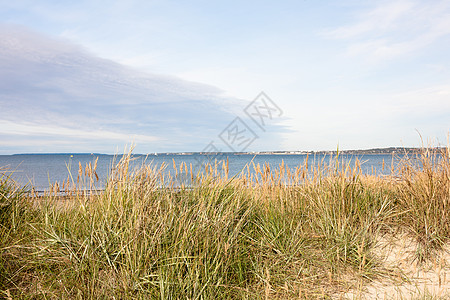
x: 40, y: 170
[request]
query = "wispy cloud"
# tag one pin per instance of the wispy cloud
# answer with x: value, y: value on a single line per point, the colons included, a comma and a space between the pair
x: 390, y: 29
x: 381, y: 18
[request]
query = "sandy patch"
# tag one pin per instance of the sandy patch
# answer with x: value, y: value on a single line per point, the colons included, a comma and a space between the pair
x: 406, y: 277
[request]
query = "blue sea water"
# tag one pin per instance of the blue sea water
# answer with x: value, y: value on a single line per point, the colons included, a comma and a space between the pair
x: 41, y: 170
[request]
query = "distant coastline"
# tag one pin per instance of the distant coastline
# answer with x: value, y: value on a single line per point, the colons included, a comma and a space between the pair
x: 377, y: 151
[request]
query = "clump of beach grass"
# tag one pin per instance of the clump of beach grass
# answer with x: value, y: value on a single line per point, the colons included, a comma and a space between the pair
x: 270, y: 232
x: 423, y: 194
x: 13, y: 215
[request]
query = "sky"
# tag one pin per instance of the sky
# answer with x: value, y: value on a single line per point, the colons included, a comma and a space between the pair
x: 183, y: 76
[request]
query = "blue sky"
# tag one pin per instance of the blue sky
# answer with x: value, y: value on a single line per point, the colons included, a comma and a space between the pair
x: 92, y: 76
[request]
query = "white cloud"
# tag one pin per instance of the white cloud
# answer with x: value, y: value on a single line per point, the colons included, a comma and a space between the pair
x: 383, y: 17
x: 52, y: 89
x: 424, y: 101
x: 14, y: 128
x: 391, y: 29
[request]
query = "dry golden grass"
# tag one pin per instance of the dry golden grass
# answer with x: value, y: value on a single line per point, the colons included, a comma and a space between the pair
x: 313, y: 231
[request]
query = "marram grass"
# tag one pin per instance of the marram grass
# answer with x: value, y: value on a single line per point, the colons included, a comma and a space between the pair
x: 270, y: 233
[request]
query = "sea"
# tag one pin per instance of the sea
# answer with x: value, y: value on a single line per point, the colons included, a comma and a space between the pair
x: 40, y: 171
